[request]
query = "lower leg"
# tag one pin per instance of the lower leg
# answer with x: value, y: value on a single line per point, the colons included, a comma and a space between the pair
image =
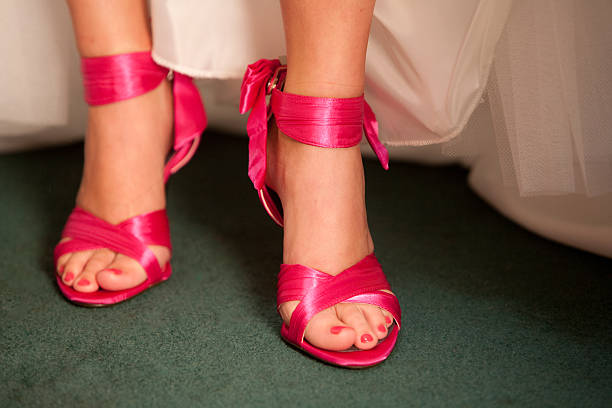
x: 322, y: 189
x: 326, y: 46
x: 125, y: 145
x: 326, y: 49
x: 110, y: 27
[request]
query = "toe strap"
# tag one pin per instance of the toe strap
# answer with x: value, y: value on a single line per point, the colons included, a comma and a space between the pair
x: 130, y: 237
x: 363, y: 282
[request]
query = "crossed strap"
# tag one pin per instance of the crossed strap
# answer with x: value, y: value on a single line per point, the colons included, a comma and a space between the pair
x: 323, y: 122
x: 116, y: 78
x: 316, y: 291
x: 129, y: 238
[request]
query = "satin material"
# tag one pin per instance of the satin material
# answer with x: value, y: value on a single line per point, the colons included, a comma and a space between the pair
x: 327, y: 122
x: 116, y: 78
x: 253, y: 97
x: 119, y: 77
x: 111, y: 79
x: 323, y: 122
x: 130, y: 237
x: 189, y: 122
x: 330, y: 123
x: 317, y: 291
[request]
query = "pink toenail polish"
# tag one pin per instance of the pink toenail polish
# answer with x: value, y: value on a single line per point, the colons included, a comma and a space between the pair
x: 337, y: 329
x: 69, y: 276
x: 366, y: 338
x: 388, y: 319
x: 83, y: 282
x: 60, y: 269
x: 116, y: 271
x: 382, y: 328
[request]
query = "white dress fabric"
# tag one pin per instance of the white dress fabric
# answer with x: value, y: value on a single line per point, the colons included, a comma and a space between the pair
x: 41, y: 99
x: 519, y: 90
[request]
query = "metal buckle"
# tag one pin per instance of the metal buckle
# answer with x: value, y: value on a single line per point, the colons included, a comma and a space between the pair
x: 273, y: 82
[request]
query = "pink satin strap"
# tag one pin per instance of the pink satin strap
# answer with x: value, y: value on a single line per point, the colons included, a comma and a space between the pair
x: 323, y: 122
x: 189, y: 122
x: 253, y: 96
x: 116, y: 78
x: 130, y: 237
x: 361, y: 283
x: 370, y: 127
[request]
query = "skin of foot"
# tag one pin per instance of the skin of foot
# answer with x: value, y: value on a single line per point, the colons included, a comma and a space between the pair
x: 326, y: 228
x: 125, y: 149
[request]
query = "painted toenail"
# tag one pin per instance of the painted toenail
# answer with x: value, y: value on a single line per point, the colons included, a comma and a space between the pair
x: 366, y: 338
x: 382, y: 328
x: 388, y: 320
x: 83, y: 282
x: 69, y: 276
x: 337, y: 329
x: 60, y: 269
x: 116, y: 271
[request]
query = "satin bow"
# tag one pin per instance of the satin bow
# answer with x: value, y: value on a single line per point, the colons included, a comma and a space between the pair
x: 253, y: 97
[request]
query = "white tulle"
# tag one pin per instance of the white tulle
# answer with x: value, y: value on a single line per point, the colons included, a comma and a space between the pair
x: 551, y: 97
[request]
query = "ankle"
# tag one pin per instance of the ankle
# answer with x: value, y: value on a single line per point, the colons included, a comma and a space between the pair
x: 324, y: 89
x: 322, y: 191
x: 125, y: 150
x: 133, y: 128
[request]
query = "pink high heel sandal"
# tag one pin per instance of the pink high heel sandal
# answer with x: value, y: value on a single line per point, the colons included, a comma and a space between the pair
x: 111, y: 79
x: 323, y: 122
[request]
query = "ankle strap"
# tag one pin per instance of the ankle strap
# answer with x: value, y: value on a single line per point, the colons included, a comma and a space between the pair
x: 116, y: 78
x: 322, y: 122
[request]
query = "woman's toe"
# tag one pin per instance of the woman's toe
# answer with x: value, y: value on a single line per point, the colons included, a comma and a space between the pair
x: 326, y: 331
x: 122, y: 273
x: 74, y: 266
x: 98, y: 259
x: 351, y: 314
x: 86, y: 281
x: 376, y: 319
x: 388, y: 318
x: 60, y: 266
x: 62, y: 260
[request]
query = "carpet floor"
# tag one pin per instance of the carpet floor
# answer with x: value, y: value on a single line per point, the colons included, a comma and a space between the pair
x: 492, y: 314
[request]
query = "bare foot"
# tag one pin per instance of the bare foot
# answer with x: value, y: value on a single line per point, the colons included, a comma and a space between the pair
x: 326, y: 228
x: 125, y: 149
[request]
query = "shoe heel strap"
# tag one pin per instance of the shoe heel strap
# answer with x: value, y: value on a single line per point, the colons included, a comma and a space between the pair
x: 116, y: 78
x: 323, y: 122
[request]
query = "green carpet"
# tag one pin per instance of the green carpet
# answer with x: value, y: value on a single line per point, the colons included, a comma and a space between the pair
x: 493, y: 315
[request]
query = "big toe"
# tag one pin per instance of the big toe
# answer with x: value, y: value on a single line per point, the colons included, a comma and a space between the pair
x: 122, y: 273
x: 328, y: 332
x: 324, y: 330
